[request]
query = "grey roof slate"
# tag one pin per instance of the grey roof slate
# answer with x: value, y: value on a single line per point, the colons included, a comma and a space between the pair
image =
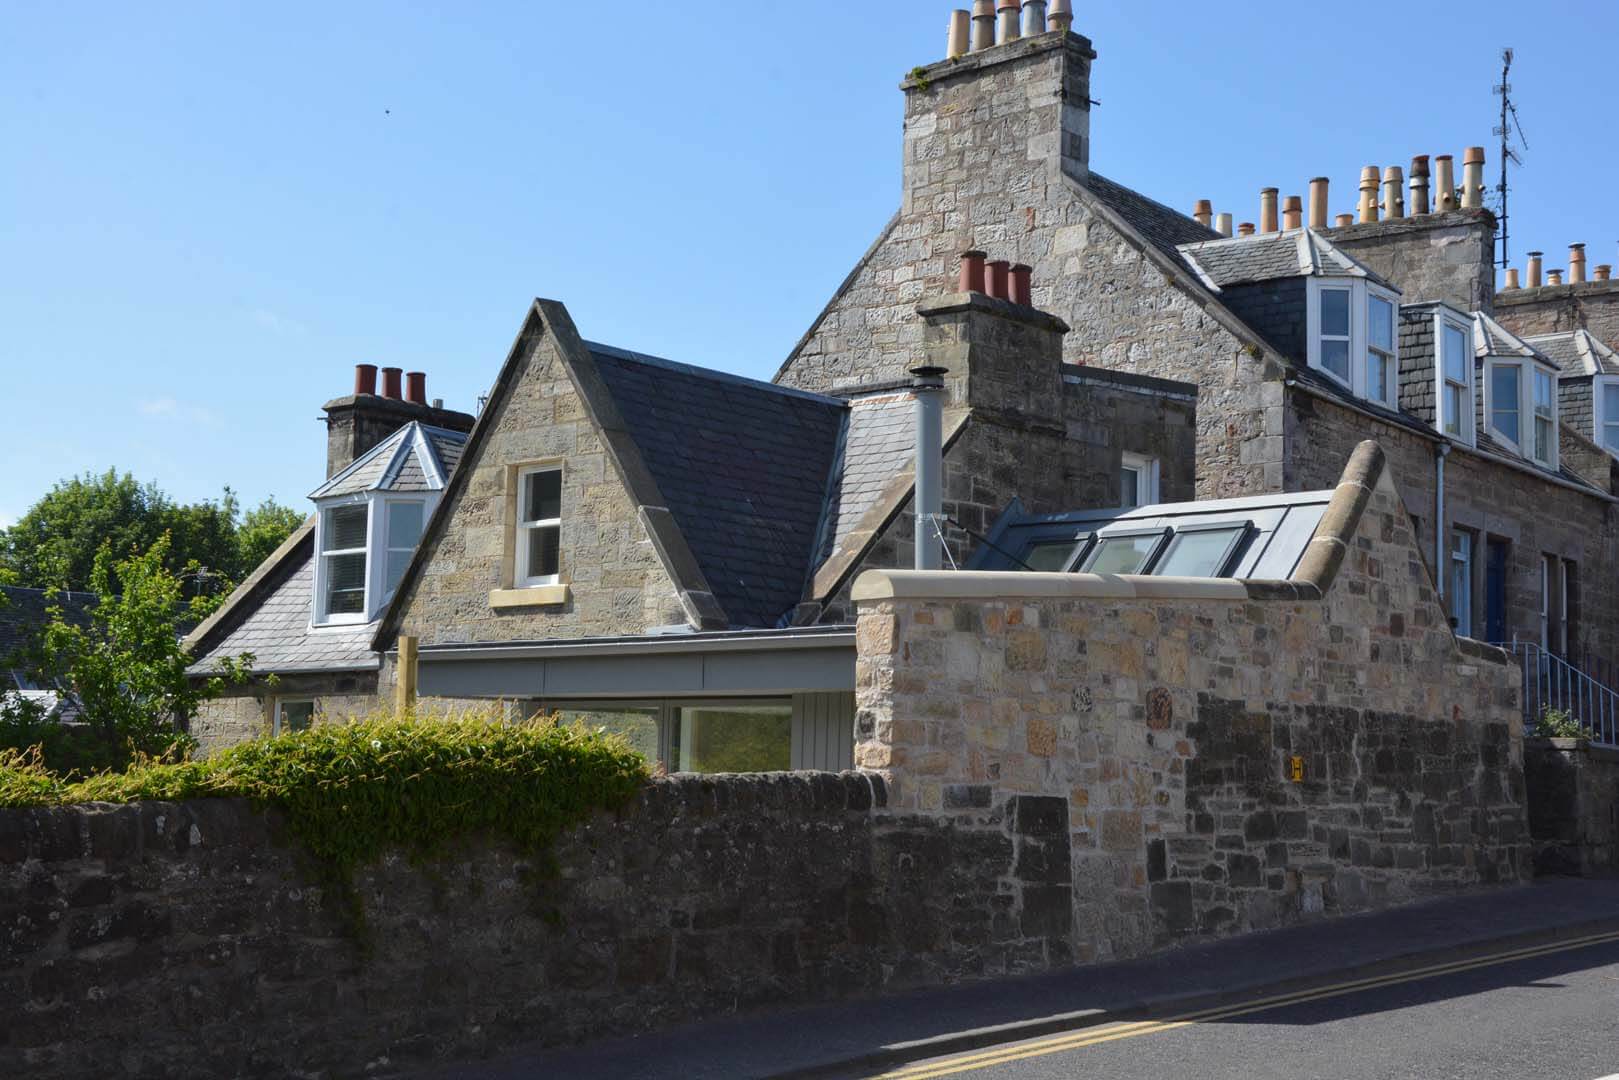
x: 1577, y: 353
x: 1267, y: 256
x: 880, y: 443
x: 1165, y: 228
x: 414, y: 458
x: 743, y: 466
x: 279, y: 635
x: 1490, y: 338
x: 24, y: 611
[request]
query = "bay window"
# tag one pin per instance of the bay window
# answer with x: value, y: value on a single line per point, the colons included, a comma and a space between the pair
x: 1520, y: 407
x: 1353, y: 338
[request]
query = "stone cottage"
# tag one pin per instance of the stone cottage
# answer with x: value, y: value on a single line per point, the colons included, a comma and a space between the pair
x: 1304, y: 336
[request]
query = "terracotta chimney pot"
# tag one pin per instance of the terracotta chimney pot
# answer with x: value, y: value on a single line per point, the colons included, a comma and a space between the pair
x: 1512, y: 278
x: 983, y: 25
x: 1554, y: 277
x: 390, y: 382
x: 1000, y: 275
x: 1473, y: 178
x: 416, y: 387
x: 1062, y: 15
x: 1204, y: 212
x: 1394, y: 192
x: 1444, y: 184
x: 1318, y: 202
x: 1343, y: 221
x: 961, y: 22
x: 1011, y: 16
x: 1293, y: 212
x: 1267, y: 209
x: 1603, y: 271
x: 1023, y: 285
x: 1368, y: 194
x: 365, y: 378
x: 1245, y: 229
x: 1576, y: 263
x: 972, y: 272
x: 1534, y: 269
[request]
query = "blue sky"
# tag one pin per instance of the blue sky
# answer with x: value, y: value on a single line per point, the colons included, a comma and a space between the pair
x: 210, y: 212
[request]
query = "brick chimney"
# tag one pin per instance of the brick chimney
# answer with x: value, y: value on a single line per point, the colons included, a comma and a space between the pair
x: 356, y: 423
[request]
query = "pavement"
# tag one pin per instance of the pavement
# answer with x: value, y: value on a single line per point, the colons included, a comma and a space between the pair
x: 867, y: 1036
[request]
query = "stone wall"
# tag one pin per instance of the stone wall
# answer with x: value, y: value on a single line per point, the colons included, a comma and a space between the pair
x: 1553, y: 309
x: 182, y: 940
x: 1168, y: 716
x: 1573, y: 806
x: 1486, y: 496
x: 1446, y: 257
x: 246, y: 713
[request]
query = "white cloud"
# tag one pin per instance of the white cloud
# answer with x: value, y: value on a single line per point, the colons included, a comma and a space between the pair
x: 159, y: 407
x: 168, y: 408
x: 279, y: 324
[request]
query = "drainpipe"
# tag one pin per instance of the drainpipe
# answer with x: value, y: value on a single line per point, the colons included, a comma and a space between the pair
x: 927, y: 386
x: 1440, y: 453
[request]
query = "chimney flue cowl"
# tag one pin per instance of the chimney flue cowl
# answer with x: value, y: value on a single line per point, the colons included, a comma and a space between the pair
x: 1245, y: 229
x: 1603, y: 271
x: 1554, y: 277
x: 1000, y: 279
x: 1062, y: 15
x: 1023, y: 285
x: 927, y: 386
x: 365, y: 378
x: 1343, y: 221
x: 971, y: 278
x: 416, y: 387
x: 390, y: 382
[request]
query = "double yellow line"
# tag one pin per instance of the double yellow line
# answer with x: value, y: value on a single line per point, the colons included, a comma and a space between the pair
x: 1112, y: 1032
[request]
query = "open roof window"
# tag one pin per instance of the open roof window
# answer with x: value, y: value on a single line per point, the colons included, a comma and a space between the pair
x: 1125, y: 552
x: 1056, y: 555
x: 1202, y: 550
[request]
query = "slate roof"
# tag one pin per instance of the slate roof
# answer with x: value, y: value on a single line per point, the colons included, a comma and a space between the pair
x: 879, y: 443
x: 1490, y: 338
x: 1267, y: 256
x: 414, y: 458
x: 1165, y: 228
x: 23, y: 612
x: 1577, y: 353
x: 278, y: 633
x: 743, y: 466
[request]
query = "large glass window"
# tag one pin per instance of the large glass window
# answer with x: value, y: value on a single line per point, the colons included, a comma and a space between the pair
x: 343, y: 561
x: 1456, y: 364
x: 405, y: 521
x: 732, y: 738
x: 1505, y: 403
x: 1461, y: 581
x: 1125, y: 553
x: 1545, y: 448
x: 637, y: 723
x: 1380, y: 366
x: 1334, y: 332
x: 1053, y: 556
x: 539, y: 526
x: 1201, y: 552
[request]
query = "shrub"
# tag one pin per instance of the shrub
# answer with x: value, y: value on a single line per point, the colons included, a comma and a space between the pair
x: 1558, y: 724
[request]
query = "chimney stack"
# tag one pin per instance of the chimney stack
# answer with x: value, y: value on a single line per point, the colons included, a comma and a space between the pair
x: 1010, y: 16
x: 1034, y: 18
x: 1534, y: 269
x: 390, y: 382
x: 1554, y: 277
x: 1000, y: 275
x: 1512, y: 278
x: 1445, y: 184
x: 1267, y: 209
x: 961, y: 22
x: 1318, y: 202
x: 1023, y: 285
x: 1393, y: 193
x: 1245, y: 229
x: 1293, y: 212
x: 1368, y: 194
x: 1343, y: 221
x: 1576, y: 263
x: 983, y: 25
x: 416, y: 387
x: 1203, y: 212
x: 927, y: 386
x: 1062, y: 15
x: 1419, y: 185
x: 1604, y: 271
x: 1473, y: 178
x: 1222, y: 225
x: 971, y: 278
x: 365, y: 378
x: 356, y: 423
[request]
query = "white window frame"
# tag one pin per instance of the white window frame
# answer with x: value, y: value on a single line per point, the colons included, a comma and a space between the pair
x: 1461, y: 601
x: 382, y: 546
x: 521, y: 577
x: 1360, y: 293
x: 322, y: 616
x: 282, y: 703
x: 1528, y: 369
x: 1600, y: 420
x: 1467, y: 433
x: 1146, y: 470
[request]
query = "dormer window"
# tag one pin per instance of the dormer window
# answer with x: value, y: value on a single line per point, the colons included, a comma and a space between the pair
x: 1352, y: 337
x: 343, y: 533
x: 1605, y: 395
x: 1520, y: 406
x: 1455, y: 376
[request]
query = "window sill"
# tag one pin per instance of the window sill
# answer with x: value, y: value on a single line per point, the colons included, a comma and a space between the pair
x: 538, y: 596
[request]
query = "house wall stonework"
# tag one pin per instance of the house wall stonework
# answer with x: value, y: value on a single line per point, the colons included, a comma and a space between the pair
x: 1553, y: 309
x: 1446, y: 257
x: 983, y: 169
x: 1168, y: 726
x: 618, y: 583
x: 1573, y: 806
x: 187, y: 940
x: 246, y: 713
x: 1489, y: 499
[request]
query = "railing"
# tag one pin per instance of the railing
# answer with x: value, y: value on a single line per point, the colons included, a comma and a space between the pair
x: 1552, y: 683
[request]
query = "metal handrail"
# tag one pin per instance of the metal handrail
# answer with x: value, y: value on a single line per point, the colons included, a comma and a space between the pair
x: 1550, y: 682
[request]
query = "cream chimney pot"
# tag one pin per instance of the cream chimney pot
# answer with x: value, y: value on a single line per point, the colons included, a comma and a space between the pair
x: 1034, y: 18
x: 1419, y: 185
x: 1062, y: 15
x: 1267, y: 210
x: 1603, y: 271
x: 1534, y: 269
x: 1445, y: 183
x: 1473, y: 178
x: 1393, y: 192
x: 961, y: 22
x: 1293, y: 212
x: 1203, y: 212
x: 1554, y: 277
x: 1368, y: 194
x: 1245, y: 229
x: 1318, y: 202
x: 1576, y: 263
x: 1343, y: 221
x: 983, y: 25
x: 1512, y: 278
x: 1222, y: 224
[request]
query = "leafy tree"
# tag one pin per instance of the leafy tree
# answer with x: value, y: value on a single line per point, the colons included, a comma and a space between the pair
x: 123, y: 674
x: 263, y: 529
